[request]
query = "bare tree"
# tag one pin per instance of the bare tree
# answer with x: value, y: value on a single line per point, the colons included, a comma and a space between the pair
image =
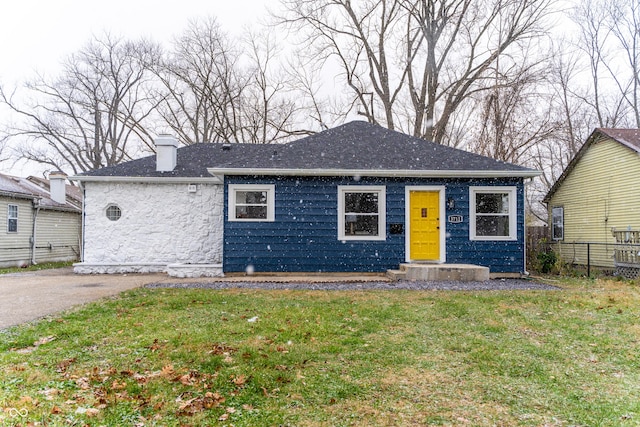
x: 270, y: 110
x: 202, y: 85
x: 411, y: 64
x: 610, y: 40
x: 510, y: 121
x: 214, y: 88
x: 90, y: 116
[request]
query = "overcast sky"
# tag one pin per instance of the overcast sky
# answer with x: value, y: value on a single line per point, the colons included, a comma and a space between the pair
x: 38, y: 34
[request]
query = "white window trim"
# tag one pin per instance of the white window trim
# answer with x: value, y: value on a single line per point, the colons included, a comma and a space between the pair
x: 10, y: 217
x: 513, y: 212
x: 382, y: 210
x: 553, y: 225
x: 271, y: 205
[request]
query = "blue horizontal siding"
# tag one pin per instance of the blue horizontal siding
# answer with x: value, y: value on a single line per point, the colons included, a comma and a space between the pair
x: 304, y: 235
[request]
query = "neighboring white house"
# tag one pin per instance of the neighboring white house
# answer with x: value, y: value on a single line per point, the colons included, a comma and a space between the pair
x: 42, y: 220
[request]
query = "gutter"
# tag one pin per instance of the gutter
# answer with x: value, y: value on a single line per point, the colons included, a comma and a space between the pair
x: 148, y: 179
x: 405, y: 173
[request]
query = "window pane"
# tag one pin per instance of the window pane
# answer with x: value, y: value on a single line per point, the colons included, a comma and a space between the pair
x: 492, y: 225
x: 251, y: 197
x: 492, y: 203
x: 251, y: 212
x: 361, y: 225
x: 12, y: 218
x: 361, y: 202
x: 557, y: 223
x: 113, y: 213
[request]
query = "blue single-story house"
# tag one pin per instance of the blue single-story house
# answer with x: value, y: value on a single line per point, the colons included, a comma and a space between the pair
x: 356, y: 198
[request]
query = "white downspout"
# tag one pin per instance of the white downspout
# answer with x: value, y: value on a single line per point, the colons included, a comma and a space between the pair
x: 525, y: 183
x: 82, y: 221
x: 36, y: 210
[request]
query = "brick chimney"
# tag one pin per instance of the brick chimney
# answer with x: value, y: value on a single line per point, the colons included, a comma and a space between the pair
x: 58, y: 187
x: 166, y: 153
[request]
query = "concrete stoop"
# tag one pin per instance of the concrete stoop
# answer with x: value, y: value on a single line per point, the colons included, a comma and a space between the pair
x: 440, y: 272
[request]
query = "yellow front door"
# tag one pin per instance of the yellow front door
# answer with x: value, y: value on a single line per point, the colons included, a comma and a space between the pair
x: 424, y: 225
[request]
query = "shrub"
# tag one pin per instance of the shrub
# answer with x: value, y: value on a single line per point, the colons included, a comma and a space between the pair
x: 547, y: 260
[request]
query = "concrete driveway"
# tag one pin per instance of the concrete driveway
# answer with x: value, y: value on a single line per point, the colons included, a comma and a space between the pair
x: 29, y: 296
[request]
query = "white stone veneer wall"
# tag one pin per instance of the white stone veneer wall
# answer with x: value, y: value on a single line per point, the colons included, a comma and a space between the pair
x: 161, y: 224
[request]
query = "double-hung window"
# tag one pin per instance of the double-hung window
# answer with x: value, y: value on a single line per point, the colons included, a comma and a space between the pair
x: 557, y: 223
x: 361, y: 212
x: 493, y: 213
x: 12, y: 219
x: 251, y: 202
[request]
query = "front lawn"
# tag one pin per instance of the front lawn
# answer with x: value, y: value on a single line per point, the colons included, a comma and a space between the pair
x: 171, y: 357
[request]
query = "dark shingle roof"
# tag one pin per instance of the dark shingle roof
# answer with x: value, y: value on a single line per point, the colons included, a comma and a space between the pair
x: 193, y: 161
x: 353, y: 146
x: 364, y: 146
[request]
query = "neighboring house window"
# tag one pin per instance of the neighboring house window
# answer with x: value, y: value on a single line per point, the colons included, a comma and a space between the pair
x: 361, y: 213
x: 251, y: 202
x: 113, y: 212
x: 12, y: 219
x: 493, y: 213
x: 557, y: 223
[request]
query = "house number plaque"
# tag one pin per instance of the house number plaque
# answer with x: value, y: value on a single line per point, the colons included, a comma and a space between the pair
x: 455, y: 219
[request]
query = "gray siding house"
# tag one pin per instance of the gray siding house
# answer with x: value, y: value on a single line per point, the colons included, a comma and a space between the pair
x: 41, y: 219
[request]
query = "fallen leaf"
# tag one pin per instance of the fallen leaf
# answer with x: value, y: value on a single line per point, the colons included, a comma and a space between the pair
x: 26, y: 399
x: 44, y: 340
x: 167, y: 371
x: 155, y: 346
x: 223, y: 417
x: 49, y: 393
x: 89, y: 412
x: 62, y: 366
x: 115, y: 385
x: 92, y: 412
x: 83, y: 383
x: 221, y: 348
x: 239, y: 380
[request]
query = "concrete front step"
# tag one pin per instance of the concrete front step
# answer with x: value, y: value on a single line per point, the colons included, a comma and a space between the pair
x: 440, y: 272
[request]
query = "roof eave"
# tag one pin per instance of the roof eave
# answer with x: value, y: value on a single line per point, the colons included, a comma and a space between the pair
x: 408, y: 173
x: 148, y: 179
x: 16, y: 195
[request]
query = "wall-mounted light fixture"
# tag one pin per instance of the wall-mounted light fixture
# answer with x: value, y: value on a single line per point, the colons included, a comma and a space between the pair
x: 451, y: 204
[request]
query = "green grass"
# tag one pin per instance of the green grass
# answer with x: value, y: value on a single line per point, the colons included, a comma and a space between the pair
x: 193, y: 357
x: 36, y: 267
